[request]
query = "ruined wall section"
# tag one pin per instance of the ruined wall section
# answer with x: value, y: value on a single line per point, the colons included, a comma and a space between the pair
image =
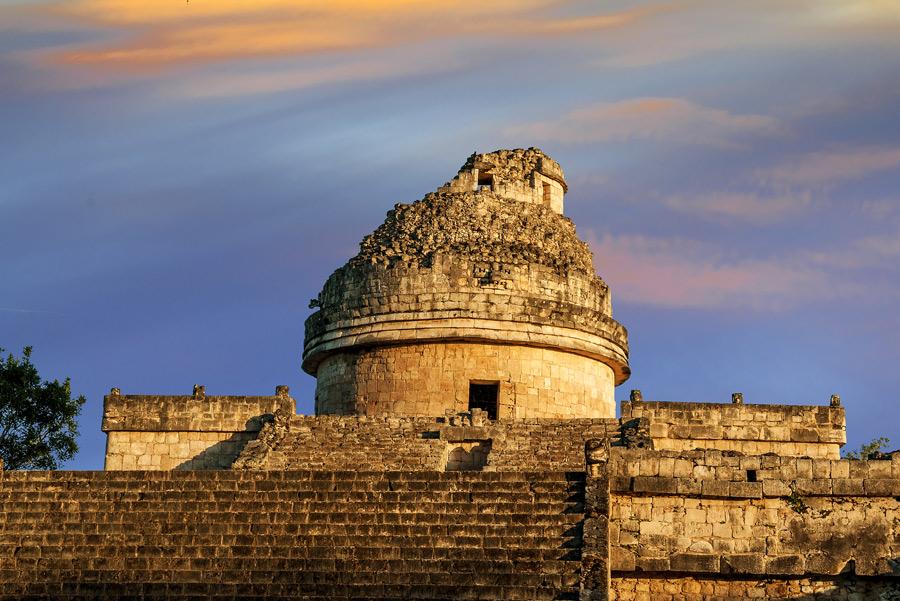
x: 788, y: 430
x: 393, y: 443
x: 680, y: 521
x: 154, y: 432
x: 523, y: 175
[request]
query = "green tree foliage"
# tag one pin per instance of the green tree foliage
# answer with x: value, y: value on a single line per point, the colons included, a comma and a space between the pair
x: 37, y: 420
x: 867, y: 449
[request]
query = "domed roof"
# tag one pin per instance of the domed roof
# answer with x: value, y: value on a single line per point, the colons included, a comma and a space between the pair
x: 487, y: 256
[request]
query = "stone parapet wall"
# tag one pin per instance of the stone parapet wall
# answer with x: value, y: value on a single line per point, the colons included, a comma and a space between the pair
x: 391, y: 443
x: 712, y: 473
x: 190, y: 413
x: 429, y: 378
x: 709, y: 512
x: 788, y: 430
x: 155, y: 432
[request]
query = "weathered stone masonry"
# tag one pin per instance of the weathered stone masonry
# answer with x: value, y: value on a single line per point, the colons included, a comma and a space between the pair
x: 719, y: 525
x: 476, y: 302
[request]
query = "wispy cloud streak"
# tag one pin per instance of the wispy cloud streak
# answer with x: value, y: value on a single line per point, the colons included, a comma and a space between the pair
x: 686, y: 274
x: 832, y: 166
x: 674, y: 120
x: 750, y: 207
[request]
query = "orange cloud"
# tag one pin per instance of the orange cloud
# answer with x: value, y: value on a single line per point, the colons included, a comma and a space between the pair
x: 142, y: 13
x: 856, y: 11
x: 219, y: 42
x: 157, y: 35
x: 280, y: 80
x: 556, y: 27
x: 671, y: 119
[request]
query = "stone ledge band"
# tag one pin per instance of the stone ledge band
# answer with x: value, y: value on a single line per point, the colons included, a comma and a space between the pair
x: 605, y: 350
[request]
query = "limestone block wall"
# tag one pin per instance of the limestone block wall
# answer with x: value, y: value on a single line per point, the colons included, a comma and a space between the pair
x: 184, y: 432
x: 788, y: 430
x: 498, y: 286
x: 174, y: 450
x: 716, y: 525
x: 419, y: 443
x: 428, y: 379
x: 725, y: 588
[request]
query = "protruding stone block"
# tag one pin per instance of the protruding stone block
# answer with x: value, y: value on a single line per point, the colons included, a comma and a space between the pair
x: 694, y: 562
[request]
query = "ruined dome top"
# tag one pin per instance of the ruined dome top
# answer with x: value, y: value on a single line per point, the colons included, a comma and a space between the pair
x: 479, y: 225
x: 498, y: 209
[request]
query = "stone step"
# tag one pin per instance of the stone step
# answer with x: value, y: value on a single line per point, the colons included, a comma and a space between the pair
x: 283, y: 592
x: 290, y: 475
x: 459, y: 497
x: 368, y: 513
x: 306, y: 549
x: 209, y: 490
x: 493, y: 535
x: 456, y: 493
x: 339, y: 515
x: 524, y: 568
x: 361, y: 573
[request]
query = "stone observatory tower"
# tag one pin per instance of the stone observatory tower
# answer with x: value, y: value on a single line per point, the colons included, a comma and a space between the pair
x: 478, y: 296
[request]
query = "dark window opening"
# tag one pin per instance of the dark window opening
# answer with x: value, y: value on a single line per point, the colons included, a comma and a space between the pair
x: 485, y: 180
x: 484, y: 396
x: 547, y: 192
x: 751, y: 475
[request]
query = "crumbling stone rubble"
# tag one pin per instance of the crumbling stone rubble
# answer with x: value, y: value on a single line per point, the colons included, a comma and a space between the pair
x: 481, y: 226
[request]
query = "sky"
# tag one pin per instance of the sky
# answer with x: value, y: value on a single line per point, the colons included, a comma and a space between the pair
x: 179, y: 177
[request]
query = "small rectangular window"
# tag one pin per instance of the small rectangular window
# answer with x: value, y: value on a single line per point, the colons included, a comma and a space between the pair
x: 484, y: 396
x: 547, y: 194
x: 485, y: 181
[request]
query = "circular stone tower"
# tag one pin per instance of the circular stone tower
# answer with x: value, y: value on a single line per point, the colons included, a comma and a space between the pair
x: 480, y: 295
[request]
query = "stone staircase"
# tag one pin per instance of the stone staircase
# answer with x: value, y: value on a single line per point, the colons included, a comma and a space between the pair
x: 290, y: 535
